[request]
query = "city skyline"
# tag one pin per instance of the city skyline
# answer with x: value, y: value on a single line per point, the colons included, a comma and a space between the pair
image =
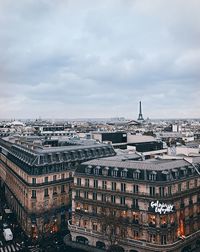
x: 69, y: 59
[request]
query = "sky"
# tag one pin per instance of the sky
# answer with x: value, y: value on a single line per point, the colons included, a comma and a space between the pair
x: 90, y: 59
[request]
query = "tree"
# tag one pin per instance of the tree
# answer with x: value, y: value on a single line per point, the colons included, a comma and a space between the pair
x: 114, y: 228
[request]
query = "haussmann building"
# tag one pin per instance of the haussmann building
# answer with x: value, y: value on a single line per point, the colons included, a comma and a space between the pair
x: 37, y: 181
x: 141, y: 206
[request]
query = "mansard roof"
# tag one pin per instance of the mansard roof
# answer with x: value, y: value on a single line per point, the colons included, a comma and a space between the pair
x: 139, y: 165
x: 53, y: 155
x: 164, y: 170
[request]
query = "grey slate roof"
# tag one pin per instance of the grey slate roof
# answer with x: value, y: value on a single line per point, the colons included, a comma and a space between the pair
x: 157, y: 165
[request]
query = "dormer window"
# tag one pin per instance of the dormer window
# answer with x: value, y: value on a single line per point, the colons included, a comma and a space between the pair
x: 124, y: 173
x: 105, y: 171
x: 114, y: 172
x: 183, y: 171
x: 191, y: 169
x: 96, y: 170
x: 175, y: 173
x: 152, y: 175
x: 136, y: 174
x: 88, y: 169
x: 166, y: 175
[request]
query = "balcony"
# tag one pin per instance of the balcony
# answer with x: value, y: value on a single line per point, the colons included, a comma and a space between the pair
x: 163, y: 226
x: 135, y: 207
x: 153, y: 225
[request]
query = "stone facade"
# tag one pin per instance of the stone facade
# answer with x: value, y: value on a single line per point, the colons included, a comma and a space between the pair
x: 154, y: 205
x: 38, y: 182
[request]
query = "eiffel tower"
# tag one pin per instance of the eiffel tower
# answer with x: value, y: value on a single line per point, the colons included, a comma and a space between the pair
x: 140, y: 117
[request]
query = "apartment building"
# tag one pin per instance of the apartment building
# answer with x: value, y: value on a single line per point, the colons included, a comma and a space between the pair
x: 141, y: 206
x: 37, y: 181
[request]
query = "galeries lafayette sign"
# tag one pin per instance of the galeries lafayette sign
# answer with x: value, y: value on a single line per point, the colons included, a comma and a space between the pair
x: 162, y: 208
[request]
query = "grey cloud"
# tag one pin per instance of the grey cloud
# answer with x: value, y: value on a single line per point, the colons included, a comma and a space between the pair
x: 94, y: 59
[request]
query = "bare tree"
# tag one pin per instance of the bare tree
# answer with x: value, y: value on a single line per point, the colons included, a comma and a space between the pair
x: 114, y: 229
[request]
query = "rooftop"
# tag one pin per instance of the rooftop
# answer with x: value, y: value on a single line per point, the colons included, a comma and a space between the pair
x: 150, y: 164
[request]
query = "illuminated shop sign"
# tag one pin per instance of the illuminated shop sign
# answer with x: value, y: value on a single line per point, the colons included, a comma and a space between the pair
x: 162, y: 208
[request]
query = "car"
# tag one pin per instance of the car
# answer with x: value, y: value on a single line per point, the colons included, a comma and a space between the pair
x: 8, y: 235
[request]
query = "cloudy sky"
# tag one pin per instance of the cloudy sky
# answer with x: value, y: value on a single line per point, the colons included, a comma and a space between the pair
x: 91, y: 58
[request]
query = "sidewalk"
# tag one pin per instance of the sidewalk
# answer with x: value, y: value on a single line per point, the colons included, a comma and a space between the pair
x: 80, y: 246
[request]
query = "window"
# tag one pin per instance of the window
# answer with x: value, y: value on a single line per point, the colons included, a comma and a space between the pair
x: 46, y: 192
x: 86, y: 195
x: 152, y: 191
x: 87, y: 183
x: 152, y: 220
x: 33, y: 180
x: 123, y: 187
x: 95, y: 183
x: 104, y: 185
x: 123, y: 232
x: 79, y: 181
x: 115, y: 172
x: 114, y: 185
x: 62, y: 176
x: 33, y: 194
x: 54, y: 177
x: 94, y: 226
x: 135, y: 188
x: 195, y: 183
x: 163, y: 239
x: 94, y: 196
x: 103, y: 198
x: 62, y: 188
x: 85, y: 223
x: 124, y: 173
x: 161, y: 191
x: 78, y: 193
x: 96, y: 170
x: 135, y: 234
x: 188, y: 185
x: 46, y: 179
x: 85, y: 208
x: 54, y: 190
x: 88, y: 169
x: 122, y: 200
x: 179, y: 187
x: 152, y: 238
x: 135, y: 217
x: 163, y: 221
x: 135, y: 203
x: 169, y: 190
x: 113, y: 198
x: 152, y: 176
x: 94, y: 209
x: 105, y: 171
x: 136, y: 174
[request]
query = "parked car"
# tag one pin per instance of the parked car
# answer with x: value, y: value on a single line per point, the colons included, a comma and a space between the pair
x: 8, y: 235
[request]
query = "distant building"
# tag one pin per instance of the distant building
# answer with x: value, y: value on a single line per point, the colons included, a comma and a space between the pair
x: 38, y: 181
x: 117, y: 138
x: 142, y: 206
x: 144, y: 143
